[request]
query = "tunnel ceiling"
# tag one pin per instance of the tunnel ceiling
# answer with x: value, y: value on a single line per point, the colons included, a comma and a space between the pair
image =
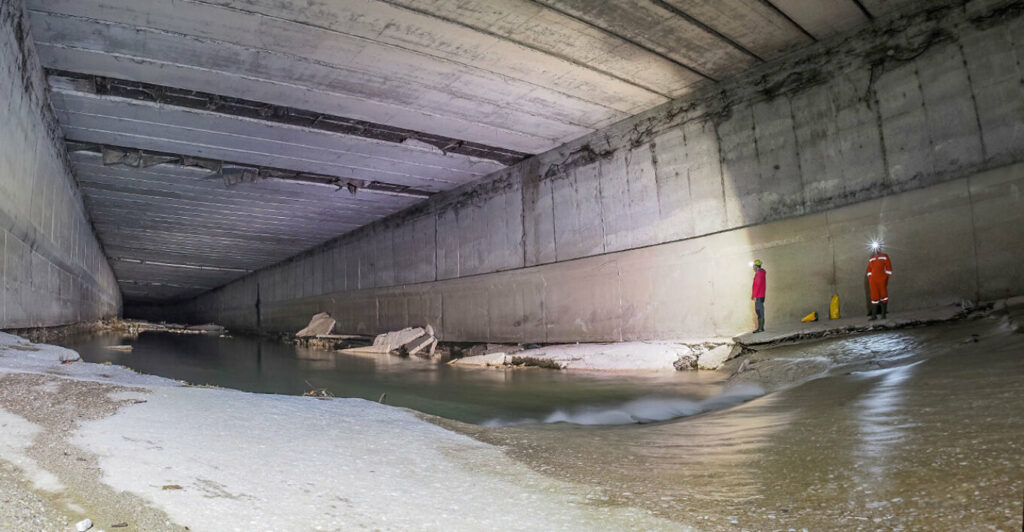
x: 213, y: 138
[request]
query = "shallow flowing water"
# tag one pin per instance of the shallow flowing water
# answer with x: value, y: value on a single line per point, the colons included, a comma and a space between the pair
x: 917, y: 429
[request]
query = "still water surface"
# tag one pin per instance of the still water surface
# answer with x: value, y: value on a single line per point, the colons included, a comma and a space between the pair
x: 473, y: 395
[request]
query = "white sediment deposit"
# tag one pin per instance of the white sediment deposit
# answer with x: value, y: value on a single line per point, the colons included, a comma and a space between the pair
x: 619, y: 356
x: 215, y: 459
x: 714, y: 358
x: 492, y: 359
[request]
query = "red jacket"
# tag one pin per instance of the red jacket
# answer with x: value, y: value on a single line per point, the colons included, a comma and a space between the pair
x: 879, y: 265
x: 759, y: 283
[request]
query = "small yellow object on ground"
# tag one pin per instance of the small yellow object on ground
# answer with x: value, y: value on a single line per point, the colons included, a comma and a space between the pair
x: 833, y: 308
x: 810, y: 317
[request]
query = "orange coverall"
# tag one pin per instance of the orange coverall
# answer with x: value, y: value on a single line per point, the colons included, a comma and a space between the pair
x: 879, y: 270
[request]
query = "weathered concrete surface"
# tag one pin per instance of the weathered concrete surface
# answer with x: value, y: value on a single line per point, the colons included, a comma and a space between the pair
x: 644, y: 230
x: 692, y: 288
x: 519, y: 74
x: 800, y: 331
x: 52, y: 269
x: 389, y: 94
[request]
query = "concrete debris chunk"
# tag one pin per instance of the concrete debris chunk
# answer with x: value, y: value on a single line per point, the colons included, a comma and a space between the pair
x: 714, y: 358
x: 418, y: 344
x: 83, y: 525
x: 390, y: 341
x: 320, y: 324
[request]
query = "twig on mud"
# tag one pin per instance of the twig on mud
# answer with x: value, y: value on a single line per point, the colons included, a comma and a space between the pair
x: 319, y: 393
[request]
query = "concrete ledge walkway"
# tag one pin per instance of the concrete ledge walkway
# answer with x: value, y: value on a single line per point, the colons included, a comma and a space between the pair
x: 820, y: 329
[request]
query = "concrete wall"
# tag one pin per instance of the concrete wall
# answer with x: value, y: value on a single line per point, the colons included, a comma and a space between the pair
x: 52, y: 268
x: 907, y: 131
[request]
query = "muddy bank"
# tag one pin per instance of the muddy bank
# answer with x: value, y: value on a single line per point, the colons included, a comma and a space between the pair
x: 72, y: 480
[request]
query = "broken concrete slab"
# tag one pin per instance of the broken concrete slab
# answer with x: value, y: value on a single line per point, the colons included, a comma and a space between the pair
x: 418, y: 344
x: 493, y: 360
x: 390, y: 341
x: 320, y: 324
x: 714, y: 358
x: 819, y: 329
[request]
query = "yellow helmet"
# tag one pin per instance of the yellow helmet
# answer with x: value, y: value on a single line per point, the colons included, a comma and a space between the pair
x: 757, y: 262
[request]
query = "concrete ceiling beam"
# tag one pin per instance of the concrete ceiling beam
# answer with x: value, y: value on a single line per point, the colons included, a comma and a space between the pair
x: 266, y: 191
x: 231, y: 173
x: 215, y: 112
x: 366, y: 35
x: 72, y: 43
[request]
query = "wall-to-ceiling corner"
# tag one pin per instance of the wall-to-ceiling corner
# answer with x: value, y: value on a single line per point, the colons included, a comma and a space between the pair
x: 907, y: 130
x: 52, y: 267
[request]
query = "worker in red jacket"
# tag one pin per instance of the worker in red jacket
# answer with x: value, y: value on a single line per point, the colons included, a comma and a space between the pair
x: 757, y: 294
x: 879, y: 270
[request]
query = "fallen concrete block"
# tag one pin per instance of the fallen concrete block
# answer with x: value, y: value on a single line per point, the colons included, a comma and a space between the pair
x: 321, y: 323
x: 714, y: 358
x: 418, y: 344
x: 389, y: 341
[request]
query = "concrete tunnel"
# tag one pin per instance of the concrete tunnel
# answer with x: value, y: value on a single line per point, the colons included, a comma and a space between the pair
x: 514, y: 171
x: 533, y: 225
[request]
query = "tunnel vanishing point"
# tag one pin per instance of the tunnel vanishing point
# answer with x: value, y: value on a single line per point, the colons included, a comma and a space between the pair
x: 513, y: 170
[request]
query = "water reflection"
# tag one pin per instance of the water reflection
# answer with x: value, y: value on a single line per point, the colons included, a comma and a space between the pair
x: 921, y: 430
x: 883, y: 424
x: 468, y: 394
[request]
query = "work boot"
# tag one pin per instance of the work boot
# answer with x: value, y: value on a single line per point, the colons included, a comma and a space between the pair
x: 885, y: 309
x: 874, y: 312
x: 760, y: 325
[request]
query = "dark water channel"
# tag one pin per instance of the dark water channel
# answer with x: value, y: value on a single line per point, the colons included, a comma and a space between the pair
x: 473, y: 395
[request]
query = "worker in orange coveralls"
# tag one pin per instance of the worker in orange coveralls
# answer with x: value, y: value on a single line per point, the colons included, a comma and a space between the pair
x: 879, y: 270
x: 757, y: 293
